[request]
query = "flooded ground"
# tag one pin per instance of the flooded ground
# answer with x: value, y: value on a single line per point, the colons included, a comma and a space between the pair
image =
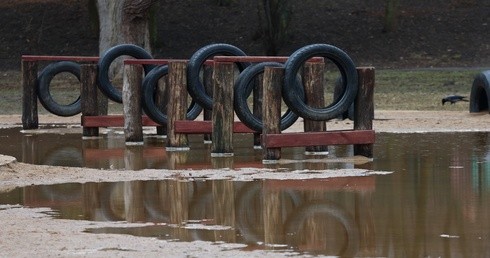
x: 433, y: 204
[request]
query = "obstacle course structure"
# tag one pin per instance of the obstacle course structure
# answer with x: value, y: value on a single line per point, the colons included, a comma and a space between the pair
x: 210, y: 79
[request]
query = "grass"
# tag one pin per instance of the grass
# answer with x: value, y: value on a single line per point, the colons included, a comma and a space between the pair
x: 394, y: 90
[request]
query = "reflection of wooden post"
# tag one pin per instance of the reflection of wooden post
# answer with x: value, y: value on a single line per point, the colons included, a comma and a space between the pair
x: 364, y: 108
x: 208, y: 86
x: 223, y: 115
x: 224, y: 209
x: 133, y: 201
x: 179, y: 206
x: 91, y: 200
x: 176, y: 158
x: 30, y: 152
x: 273, y: 224
x: 133, y: 158
x: 89, y: 96
x: 177, y: 105
x: 131, y: 97
x: 313, y: 84
x: 30, y: 118
x: 271, y: 109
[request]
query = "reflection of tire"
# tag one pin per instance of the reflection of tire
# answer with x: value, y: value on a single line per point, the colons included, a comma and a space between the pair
x: 249, y: 226
x: 308, y: 210
x: 149, y: 106
x: 44, y: 93
x: 69, y: 192
x: 349, y: 77
x: 155, y: 207
x: 68, y: 156
x: 106, y: 60
x: 480, y: 93
x: 194, y: 84
x: 243, y: 88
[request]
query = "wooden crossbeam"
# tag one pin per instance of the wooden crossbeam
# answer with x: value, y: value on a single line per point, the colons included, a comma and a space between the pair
x: 206, y: 127
x: 112, y: 121
x: 318, y: 138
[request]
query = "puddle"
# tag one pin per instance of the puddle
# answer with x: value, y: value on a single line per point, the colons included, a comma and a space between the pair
x: 434, y: 204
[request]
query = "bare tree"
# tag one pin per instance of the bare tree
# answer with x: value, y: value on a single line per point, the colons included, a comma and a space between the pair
x: 274, y: 19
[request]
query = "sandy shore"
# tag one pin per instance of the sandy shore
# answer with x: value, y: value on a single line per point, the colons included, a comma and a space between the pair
x: 46, y: 237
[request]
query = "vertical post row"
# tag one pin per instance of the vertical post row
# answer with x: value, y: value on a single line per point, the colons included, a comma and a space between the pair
x: 271, y: 110
x: 177, y: 105
x: 314, y: 95
x: 131, y: 97
x: 364, y: 108
x: 89, y: 96
x: 30, y: 118
x: 223, y: 115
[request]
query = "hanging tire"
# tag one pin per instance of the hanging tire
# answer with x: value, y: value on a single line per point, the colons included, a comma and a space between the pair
x: 243, y: 89
x: 106, y: 60
x: 349, y: 78
x: 151, y: 109
x: 44, y: 93
x: 194, y: 84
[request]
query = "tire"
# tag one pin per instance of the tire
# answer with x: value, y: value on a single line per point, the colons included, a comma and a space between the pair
x: 243, y: 88
x: 44, y: 93
x: 349, y: 78
x: 150, y: 83
x: 194, y: 84
x: 106, y: 60
x: 480, y: 93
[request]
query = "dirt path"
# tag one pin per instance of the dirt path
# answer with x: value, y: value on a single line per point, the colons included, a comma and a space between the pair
x: 33, y: 233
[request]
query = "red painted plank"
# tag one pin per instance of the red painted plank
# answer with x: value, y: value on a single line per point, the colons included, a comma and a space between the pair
x: 104, y: 154
x: 111, y: 121
x: 319, y: 138
x: 92, y: 59
x: 159, y: 61
x: 259, y: 59
x: 202, y: 127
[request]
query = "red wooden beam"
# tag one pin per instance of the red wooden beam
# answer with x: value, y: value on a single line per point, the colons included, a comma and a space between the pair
x: 92, y: 59
x: 112, y: 121
x: 206, y: 127
x: 318, y: 138
x: 159, y: 61
x: 259, y: 59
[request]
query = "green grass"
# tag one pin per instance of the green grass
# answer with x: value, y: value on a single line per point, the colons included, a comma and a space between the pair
x: 394, y: 90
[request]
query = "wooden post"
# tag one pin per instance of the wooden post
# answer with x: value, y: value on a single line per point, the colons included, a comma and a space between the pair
x: 30, y: 118
x: 131, y: 97
x: 161, y: 100
x: 364, y: 108
x: 271, y: 110
x: 208, y: 87
x: 313, y: 84
x: 89, y: 96
x: 223, y: 115
x: 257, y: 107
x: 177, y: 105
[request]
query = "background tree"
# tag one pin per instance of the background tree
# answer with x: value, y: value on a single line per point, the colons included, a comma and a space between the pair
x: 391, y: 16
x: 274, y: 20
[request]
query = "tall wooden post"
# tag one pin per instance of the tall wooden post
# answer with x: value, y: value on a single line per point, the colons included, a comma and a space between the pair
x: 208, y: 87
x: 30, y: 118
x: 89, y: 96
x: 257, y: 107
x: 131, y: 97
x: 364, y: 108
x: 161, y: 99
x: 271, y: 110
x: 177, y: 105
x: 223, y: 115
x: 313, y: 84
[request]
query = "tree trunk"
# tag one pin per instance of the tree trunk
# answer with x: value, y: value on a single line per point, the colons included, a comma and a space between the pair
x: 391, y: 16
x: 274, y: 18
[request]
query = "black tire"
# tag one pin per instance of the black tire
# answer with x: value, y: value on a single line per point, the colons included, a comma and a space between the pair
x: 106, y: 60
x: 194, y: 84
x: 243, y: 88
x: 44, y: 93
x: 480, y: 93
x: 150, y: 83
x: 349, y: 77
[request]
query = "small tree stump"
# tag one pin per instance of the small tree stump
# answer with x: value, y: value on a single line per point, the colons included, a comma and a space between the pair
x: 177, y: 105
x: 131, y: 96
x: 223, y: 114
x: 30, y: 119
x: 271, y: 110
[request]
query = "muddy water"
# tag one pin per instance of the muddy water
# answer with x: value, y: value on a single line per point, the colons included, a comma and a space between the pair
x: 434, y: 204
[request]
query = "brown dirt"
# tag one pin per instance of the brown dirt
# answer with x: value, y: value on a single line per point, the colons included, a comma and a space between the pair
x: 430, y: 33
